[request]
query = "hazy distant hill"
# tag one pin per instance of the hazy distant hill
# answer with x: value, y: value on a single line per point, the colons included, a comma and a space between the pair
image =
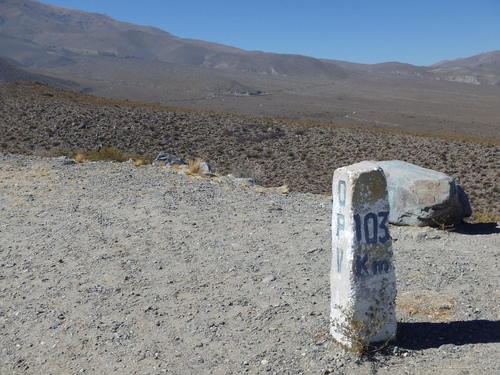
x: 395, y: 69
x: 479, y: 69
x: 11, y: 73
x: 66, y: 32
x: 121, y: 60
x: 43, y: 36
x: 478, y: 61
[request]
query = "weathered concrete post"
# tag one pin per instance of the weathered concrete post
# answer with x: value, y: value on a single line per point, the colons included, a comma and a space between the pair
x: 363, y: 285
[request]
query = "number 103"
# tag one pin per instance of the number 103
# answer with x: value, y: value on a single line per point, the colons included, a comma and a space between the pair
x: 373, y: 227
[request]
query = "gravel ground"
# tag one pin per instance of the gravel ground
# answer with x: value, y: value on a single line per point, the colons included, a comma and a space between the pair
x: 39, y: 120
x: 107, y: 268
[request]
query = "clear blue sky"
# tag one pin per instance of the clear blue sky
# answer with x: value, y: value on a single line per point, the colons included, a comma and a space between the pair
x: 419, y: 32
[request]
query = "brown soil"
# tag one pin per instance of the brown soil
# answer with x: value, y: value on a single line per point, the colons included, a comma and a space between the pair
x: 36, y: 119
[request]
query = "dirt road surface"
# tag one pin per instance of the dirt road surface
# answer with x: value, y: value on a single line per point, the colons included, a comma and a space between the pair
x: 107, y: 268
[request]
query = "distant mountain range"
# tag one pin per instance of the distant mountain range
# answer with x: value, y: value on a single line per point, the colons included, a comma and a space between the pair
x: 39, y: 35
x: 119, y: 59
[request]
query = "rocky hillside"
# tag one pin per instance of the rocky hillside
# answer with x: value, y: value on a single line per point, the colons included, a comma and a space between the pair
x: 36, y: 119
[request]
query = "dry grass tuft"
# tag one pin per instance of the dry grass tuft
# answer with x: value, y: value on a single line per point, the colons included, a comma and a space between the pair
x: 283, y: 189
x: 428, y: 303
x: 194, y: 167
x: 259, y: 189
x: 112, y: 154
x: 485, y: 217
x: 42, y: 173
x: 177, y: 166
x: 442, y: 225
x: 138, y: 162
x: 79, y: 157
x: 358, y: 333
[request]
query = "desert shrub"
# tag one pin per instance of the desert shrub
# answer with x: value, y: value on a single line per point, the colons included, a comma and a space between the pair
x: 79, y: 157
x: 138, y: 162
x: 112, y: 154
x: 194, y: 167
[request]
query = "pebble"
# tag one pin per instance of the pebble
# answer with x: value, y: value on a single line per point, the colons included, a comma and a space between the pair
x: 268, y: 279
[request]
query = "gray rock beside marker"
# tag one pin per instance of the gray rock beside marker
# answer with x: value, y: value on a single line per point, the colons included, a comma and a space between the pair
x: 205, y: 167
x: 421, y: 197
x: 168, y: 159
x: 245, y: 181
x: 363, y: 283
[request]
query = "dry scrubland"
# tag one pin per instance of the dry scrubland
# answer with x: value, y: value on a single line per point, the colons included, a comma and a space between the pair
x: 44, y: 121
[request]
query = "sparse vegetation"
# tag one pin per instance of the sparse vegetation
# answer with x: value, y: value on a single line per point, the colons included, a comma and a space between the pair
x: 111, y: 154
x: 138, y: 162
x: 441, y: 224
x: 226, y: 140
x: 427, y: 303
x: 283, y: 189
x: 194, y: 167
x: 79, y: 157
x: 357, y: 333
x: 485, y: 217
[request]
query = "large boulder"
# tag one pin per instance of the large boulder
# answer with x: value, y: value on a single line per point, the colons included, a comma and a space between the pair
x: 423, y: 197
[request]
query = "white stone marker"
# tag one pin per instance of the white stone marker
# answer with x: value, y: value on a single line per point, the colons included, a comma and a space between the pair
x: 363, y: 282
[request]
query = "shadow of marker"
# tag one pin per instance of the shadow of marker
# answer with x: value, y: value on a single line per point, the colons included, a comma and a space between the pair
x: 478, y: 228
x: 418, y: 336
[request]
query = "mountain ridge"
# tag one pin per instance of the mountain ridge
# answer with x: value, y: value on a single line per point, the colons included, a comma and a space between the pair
x: 120, y: 60
x: 68, y: 32
x: 471, y: 61
x: 93, y: 33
